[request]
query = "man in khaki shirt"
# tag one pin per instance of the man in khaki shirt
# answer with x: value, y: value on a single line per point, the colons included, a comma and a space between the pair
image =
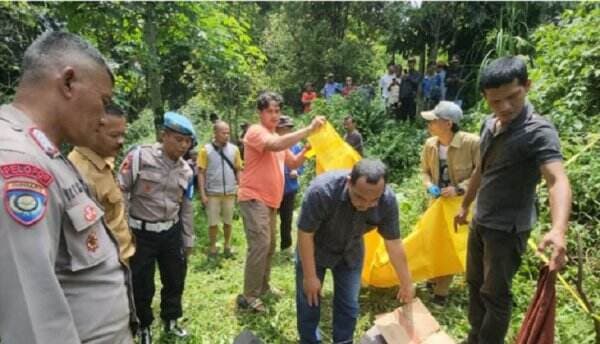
x: 96, y: 164
x: 447, y: 162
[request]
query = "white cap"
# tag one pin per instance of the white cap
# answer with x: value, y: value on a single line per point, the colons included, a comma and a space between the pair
x: 444, y: 110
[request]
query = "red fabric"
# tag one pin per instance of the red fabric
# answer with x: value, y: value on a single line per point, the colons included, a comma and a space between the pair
x: 538, y: 325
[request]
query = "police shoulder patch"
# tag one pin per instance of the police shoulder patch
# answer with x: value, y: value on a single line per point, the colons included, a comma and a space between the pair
x: 25, y: 201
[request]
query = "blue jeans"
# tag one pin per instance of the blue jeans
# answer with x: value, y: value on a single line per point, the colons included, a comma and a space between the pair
x: 346, y: 287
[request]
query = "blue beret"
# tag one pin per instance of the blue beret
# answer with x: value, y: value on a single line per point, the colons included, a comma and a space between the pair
x: 180, y: 124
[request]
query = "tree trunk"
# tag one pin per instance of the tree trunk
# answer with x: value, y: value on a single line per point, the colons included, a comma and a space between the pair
x: 152, y: 67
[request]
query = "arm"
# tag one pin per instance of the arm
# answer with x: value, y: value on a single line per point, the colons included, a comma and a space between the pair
x: 310, y: 282
x: 475, y: 153
x: 559, y: 191
x: 33, y: 306
x: 187, y: 220
x: 398, y: 258
x: 425, y: 170
x: 463, y: 212
x: 278, y: 143
x: 202, y: 185
x: 295, y: 161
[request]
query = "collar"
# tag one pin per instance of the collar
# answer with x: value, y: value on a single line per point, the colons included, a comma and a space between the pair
x: 456, y: 141
x: 525, y: 115
x: 344, y: 196
x: 95, y: 159
x: 158, y: 150
x: 17, y: 118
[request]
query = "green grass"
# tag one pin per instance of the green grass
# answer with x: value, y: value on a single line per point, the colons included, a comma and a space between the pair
x: 211, y: 316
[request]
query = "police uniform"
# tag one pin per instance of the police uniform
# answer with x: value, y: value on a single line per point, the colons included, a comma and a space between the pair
x: 61, y: 280
x: 161, y: 218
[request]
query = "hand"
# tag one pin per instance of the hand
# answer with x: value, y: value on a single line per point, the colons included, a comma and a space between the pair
x: 316, y: 123
x: 188, y: 251
x: 406, y: 293
x: 556, y: 239
x: 204, y: 199
x: 434, y: 190
x: 294, y: 174
x: 312, y: 290
x: 461, y: 218
x: 449, y: 191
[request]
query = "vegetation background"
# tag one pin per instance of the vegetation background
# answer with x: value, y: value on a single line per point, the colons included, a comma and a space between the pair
x: 205, y: 57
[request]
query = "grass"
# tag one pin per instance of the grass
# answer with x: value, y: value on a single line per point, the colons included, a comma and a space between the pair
x: 211, y: 316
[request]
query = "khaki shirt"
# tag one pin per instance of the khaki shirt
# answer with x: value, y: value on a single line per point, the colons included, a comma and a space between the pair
x: 61, y: 280
x: 98, y: 173
x: 158, y: 192
x: 463, y: 157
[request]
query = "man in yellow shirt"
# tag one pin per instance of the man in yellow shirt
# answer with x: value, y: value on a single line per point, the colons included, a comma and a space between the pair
x: 219, y: 164
x: 96, y: 164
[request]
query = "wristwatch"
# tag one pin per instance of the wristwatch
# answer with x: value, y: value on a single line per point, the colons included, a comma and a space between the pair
x: 460, y: 191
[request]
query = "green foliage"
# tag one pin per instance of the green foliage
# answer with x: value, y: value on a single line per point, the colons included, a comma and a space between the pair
x: 398, y: 144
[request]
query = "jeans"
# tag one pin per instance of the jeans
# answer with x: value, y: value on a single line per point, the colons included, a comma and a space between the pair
x: 346, y: 287
x: 493, y: 258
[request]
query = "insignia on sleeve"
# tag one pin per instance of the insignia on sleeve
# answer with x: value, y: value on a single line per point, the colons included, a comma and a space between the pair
x: 25, y: 201
x: 90, y: 213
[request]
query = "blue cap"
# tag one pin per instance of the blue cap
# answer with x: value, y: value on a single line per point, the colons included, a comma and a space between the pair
x: 179, y: 123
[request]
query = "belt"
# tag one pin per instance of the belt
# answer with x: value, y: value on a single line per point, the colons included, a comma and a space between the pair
x: 156, y: 227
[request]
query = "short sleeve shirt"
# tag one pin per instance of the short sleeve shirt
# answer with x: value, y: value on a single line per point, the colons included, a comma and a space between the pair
x: 510, y: 170
x: 337, y: 226
x: 262, y: 178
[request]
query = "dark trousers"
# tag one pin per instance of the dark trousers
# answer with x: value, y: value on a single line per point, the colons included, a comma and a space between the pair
x: 408, y: 108
x: 493, y: 258
x: 166, y: 248
x: 286, y: 214
x: 346, y: 289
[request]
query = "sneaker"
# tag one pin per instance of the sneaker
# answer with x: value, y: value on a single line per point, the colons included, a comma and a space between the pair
x: 145, y: 335
x: 228, y: 253
x: 172, y: 328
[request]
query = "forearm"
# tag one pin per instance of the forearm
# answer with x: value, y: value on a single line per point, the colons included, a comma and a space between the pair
x: 560, y: 204
x: 306, y: 250
x: 279, y: 143
x: 202, y: 183
x: 471, y: 192
x: 398, y: 259
x: 294, y: 161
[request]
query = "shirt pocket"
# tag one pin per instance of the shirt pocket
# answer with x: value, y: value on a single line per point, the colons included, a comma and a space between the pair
x: 462, y: 172
x: 149, y: 184
x: 87, y: 241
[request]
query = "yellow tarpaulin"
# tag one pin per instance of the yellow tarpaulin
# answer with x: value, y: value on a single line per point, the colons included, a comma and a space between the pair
x: 432, y: 249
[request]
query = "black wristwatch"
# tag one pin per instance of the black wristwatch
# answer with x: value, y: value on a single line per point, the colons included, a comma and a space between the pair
x: 460, y: 191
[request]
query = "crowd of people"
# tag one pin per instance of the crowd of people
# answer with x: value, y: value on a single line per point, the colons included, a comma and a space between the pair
x: 80, y: 242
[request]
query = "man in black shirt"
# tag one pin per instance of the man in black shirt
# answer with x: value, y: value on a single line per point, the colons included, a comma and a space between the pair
x: 517, y: 147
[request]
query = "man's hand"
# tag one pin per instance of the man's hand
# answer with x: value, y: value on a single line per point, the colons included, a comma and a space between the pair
x: 294, y: 174
x: 204, y: 200
x: 188, y: 251
x: 406, y: 293
x: 461, y: 218
x: 316, y: 123
x: 449, y: 191
x: 312, y: 290
x: 557, y: 240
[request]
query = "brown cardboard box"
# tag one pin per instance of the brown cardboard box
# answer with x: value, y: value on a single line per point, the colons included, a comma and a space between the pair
x: 410, y: 324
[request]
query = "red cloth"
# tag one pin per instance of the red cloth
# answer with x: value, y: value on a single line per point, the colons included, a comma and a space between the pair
x: 538, y: 325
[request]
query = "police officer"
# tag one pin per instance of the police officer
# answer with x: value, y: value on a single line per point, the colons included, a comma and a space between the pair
x: 62, y: 281
x: 156, y: 183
